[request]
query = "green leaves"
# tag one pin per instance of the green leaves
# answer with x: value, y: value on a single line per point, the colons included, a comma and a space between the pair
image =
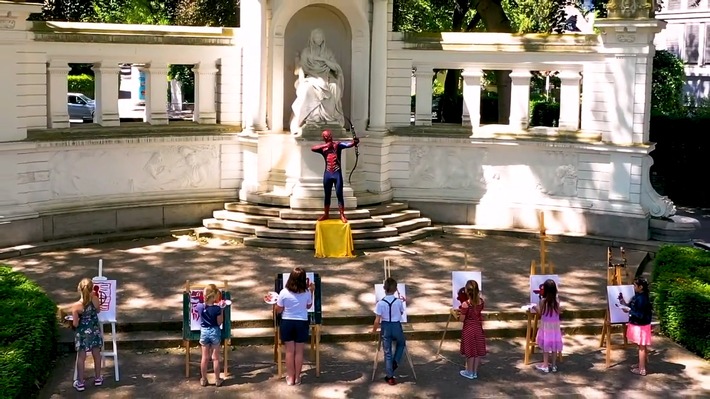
x: 667, y: 84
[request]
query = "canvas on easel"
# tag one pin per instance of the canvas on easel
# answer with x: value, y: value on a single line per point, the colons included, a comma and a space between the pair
x: 458, y: 283
x: 315, y: 318
x: 615, y: 317
x: 539, y: 273
x: 191, y: 296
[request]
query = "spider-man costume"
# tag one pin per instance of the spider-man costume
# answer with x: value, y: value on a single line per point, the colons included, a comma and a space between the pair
x: 333, y: 174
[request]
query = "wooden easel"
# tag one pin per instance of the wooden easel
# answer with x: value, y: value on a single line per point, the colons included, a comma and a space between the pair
x: 315, y: 335
x: 387, y: 270
x: 614, y: 276
x: 453, y: 313
x: 226, y: 334
x: 545, y: 268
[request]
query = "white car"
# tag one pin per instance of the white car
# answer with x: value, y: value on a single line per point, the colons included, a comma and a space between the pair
x: 81, y: 107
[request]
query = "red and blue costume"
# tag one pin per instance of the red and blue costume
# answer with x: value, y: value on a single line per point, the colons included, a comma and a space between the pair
x: 333, y: 176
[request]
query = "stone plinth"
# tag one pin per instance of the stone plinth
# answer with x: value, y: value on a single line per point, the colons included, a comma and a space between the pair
x: 674, y: 228
x: 305, y: 170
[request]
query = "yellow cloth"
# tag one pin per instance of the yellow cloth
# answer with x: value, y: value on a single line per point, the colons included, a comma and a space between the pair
x: 334, y: 239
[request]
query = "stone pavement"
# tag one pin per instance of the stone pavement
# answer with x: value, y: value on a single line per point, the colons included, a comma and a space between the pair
x: 346, y: 370
x: 152, y: 272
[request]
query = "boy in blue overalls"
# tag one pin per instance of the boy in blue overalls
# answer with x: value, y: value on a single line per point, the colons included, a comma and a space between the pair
x: 389, y: 313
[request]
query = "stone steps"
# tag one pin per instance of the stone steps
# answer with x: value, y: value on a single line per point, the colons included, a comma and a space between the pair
x: 378, y: 226
x: 170, y: 335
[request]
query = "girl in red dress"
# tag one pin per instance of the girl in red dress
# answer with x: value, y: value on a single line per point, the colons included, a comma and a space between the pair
x: 473, y: 340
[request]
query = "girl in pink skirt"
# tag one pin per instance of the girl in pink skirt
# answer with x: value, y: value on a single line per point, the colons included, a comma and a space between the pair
x: 638, y: 330
x: 549, y: 333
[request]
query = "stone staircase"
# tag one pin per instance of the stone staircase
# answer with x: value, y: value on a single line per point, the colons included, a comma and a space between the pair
x: 380, y: 226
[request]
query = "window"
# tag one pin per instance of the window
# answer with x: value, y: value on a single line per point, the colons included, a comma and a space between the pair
x: 672, y: 35
x: 707, y: 44
x: 673, y: 5
x: 692, y: 43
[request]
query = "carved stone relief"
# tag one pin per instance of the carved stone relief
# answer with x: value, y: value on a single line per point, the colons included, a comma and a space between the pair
x: 124, y: 171
x: 449, y: 168
x: 559, y: 174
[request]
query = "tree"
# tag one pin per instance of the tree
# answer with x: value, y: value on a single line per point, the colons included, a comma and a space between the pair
x: 667, y: 82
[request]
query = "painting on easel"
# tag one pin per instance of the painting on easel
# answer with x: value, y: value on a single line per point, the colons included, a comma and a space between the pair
x: 536, y: 282
x: 458, y: 282
x: 616, y: 308
x: 401, y: 293
x: 196, y: 298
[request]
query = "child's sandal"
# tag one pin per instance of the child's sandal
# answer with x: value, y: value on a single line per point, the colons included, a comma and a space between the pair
x: 218, y: 382
x: 203, y: 382
x: 638, y: 371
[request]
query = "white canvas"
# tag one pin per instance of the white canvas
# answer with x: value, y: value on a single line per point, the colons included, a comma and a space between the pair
x: 310, y: 278
x: 400, y: 293
x: 616, y: 314
x: 107, y: 299
x: 458, y: 280
x: 536, y: 280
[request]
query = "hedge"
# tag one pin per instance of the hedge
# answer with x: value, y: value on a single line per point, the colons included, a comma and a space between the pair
x: 544, y: 113
x: 83, y: 84
x: 28, y: 335
x: 681, y: 296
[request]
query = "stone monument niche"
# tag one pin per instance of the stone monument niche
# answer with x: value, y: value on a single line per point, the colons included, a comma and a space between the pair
x: 337, y: 38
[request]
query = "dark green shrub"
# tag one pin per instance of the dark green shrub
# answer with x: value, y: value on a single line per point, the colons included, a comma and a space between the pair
x: 681, y: 296
x: 668, y: 80
x: 83, y: 84
x: 544, y: 113
x: 28, y: 335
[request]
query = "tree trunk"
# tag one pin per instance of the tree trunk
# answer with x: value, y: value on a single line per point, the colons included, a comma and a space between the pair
x: 495, y: 20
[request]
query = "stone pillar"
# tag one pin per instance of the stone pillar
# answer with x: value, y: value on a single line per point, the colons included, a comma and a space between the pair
x: 378, y: 67
x: 156, y: 88
x: 472, y: 98
x: 629, y: 49
x: 229, y: 88
x: 569, y: 100
x: 57, y: 112
x: 205, y: 86
x: 106, y: 87
x: 253, y: 26
x: 520, y: 99
x: 422, y: 112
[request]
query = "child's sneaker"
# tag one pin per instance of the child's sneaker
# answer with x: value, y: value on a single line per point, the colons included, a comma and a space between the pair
x: 474, y: 375
x: 466, y: 374
x: 98, y: 381
x: 390, y: 380
x: 79, y: 386
x: 544, y: 369
x: 554, y: 369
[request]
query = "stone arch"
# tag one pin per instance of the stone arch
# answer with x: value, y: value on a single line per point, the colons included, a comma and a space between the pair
x: 357, y: 30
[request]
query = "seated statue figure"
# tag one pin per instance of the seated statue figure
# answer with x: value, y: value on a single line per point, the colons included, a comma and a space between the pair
x: 319, y: 88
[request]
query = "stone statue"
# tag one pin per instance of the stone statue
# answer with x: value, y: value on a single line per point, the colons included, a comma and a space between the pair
x: 319, y: 88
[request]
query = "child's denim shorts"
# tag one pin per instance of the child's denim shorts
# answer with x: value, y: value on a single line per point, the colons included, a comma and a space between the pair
x: 210, y: 335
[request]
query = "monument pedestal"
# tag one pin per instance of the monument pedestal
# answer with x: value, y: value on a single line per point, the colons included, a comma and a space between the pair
x: 305, y: 171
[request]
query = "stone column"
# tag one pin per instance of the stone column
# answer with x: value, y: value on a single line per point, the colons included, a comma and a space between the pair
x: 253, y: 26
x: 626, y: 77
x: 569, y: 100
x: 520, y: 99
x: 378, y: 67
x: 57, y: 112
x: 156, y: 88
x: 106, y: 86
x: 229, y: 87
x: 422, y: 111
x: 205, y: 85
x: 472, y: 98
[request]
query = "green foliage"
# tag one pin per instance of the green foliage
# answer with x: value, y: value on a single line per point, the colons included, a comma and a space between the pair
x: 28, y: 335
x: 66, y: 10
x: 668, y: 80
x: 207, y: 13
x: 422, y: 15
x: 185, y: 75
x: 544, y: 113
x: 151, y: 12
x: 535, y: 16
x: 681, y: 296
x: 81, y: 84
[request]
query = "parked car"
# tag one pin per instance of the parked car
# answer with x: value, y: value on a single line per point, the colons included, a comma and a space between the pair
x: 81, y: 107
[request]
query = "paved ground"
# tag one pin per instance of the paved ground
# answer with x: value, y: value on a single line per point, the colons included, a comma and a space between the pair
x: 347, y: 368
x: 151, y: 274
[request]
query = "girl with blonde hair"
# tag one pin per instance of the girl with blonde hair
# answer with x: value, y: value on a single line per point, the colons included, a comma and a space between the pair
x: 88, y: 336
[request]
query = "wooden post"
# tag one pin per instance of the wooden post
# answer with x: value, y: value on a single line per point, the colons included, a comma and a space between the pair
x: 614, y: 276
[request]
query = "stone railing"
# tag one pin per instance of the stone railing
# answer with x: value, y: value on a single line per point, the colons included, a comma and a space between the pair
x: 41, y: 54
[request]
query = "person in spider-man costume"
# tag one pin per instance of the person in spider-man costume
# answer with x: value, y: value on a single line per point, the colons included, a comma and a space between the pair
x: 333, y: 176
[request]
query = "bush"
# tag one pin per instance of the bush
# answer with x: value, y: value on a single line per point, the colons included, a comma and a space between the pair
x: 83, y: 84
x: 28, y: 335
x: 544, y: 113
x: 681, y: 296
x: 668, y: 80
